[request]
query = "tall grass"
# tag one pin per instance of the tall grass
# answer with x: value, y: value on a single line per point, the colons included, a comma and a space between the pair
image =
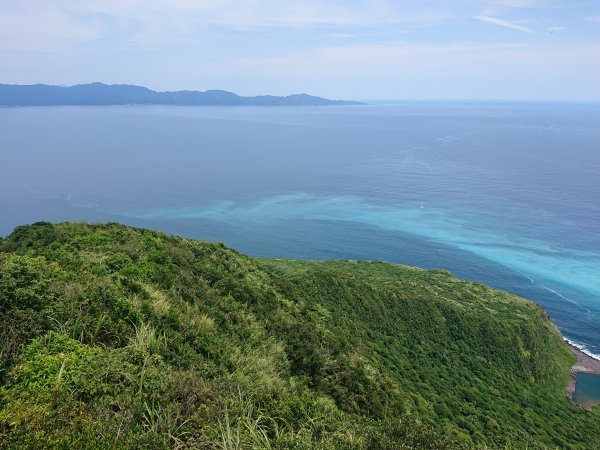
x: 146, y: 338
x: 162, y: 421
x: 250, y: 430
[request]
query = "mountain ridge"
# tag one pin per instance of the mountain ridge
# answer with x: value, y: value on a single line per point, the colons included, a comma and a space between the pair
x: 121, y: 337
x: 98, y: 93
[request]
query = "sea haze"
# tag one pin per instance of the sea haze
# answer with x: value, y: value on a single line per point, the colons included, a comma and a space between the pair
x: 502, y: 193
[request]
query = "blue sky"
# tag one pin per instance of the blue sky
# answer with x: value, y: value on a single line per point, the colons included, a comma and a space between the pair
x: 371, y: 49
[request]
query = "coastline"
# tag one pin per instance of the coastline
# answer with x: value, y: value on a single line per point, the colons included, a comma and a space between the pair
x: 584, y: 364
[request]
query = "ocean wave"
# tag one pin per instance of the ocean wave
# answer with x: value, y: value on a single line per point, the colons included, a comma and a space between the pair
x: 570, y: 300
x: 583, y: 348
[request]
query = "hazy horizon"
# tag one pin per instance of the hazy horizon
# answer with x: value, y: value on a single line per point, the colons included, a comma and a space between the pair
x: 359, y: 49
x: 380, y: 101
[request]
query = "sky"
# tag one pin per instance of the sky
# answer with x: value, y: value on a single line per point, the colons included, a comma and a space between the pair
x: 350, y: 49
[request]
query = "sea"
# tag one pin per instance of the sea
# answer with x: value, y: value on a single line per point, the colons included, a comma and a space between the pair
x: 503, y: 193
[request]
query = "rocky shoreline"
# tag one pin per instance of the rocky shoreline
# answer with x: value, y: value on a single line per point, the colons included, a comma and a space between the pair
x: 584, y: 364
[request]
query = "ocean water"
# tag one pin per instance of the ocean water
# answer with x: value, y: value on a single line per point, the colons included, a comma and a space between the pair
x: 587, y: 393
x: 503, y: 193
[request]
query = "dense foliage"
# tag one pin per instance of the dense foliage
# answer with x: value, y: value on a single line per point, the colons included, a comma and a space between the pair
x: 115, y: 337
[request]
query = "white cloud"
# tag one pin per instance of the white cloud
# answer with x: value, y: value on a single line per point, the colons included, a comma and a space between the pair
x: 261, y: 13
x: 44, y: 29
x: 504, y: 23
x: 147, y: 22
x: 519, y: 3
x: 402, y: 70
x: 594, y: 18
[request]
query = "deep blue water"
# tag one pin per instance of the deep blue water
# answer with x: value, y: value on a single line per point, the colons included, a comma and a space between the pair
x: 507, y: 194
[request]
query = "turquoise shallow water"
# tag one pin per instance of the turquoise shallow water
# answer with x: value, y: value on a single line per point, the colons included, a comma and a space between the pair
x: 502, y: 193
x: 575, y: 268
x: 587, y: 393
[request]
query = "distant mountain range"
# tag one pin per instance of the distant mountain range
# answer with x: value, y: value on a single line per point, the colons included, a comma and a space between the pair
x: 124, y: 94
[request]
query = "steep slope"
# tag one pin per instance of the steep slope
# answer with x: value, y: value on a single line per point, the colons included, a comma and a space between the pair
x: 115, y: 337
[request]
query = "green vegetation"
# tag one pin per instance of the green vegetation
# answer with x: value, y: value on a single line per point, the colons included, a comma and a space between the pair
x: 115, y: 337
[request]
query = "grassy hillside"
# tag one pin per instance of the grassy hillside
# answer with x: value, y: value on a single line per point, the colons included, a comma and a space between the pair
x: 115, y: 337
